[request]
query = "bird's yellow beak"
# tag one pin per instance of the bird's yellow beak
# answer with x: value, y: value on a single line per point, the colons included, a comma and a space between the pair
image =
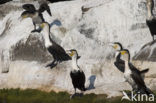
x: 71, y: 54
x: 123, y: 52
x: 115, y: 46
x: 24, y: 16
x: 42, y: 25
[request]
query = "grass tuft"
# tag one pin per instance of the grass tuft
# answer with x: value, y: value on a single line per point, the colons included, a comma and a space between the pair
x: 36, y: 96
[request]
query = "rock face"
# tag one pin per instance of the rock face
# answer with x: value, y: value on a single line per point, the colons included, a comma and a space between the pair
x: 32, y: 49
x: 147, y: 52
x: 87, y: 26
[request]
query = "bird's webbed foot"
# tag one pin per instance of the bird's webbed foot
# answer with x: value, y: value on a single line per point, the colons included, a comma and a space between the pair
x: 76, y: 95
x: 52, y: 65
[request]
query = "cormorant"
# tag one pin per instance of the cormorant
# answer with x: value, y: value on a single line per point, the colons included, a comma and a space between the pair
x: 36, y: 15
x: 77, y: 75
x: 120, y: 64
x: 54, y: 49
x: 132, y: 76
x: 151, y: 20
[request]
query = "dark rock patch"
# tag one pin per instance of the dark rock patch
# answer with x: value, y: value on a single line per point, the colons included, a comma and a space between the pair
x: 31, y: 50
x: 147, y: 52
x: 86, y: 31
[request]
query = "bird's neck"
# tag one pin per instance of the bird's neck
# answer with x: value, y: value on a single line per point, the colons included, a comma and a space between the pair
x: 149, y: 10
x: 36, y: 14
x: 46, y: 36
x: 127, y: 69
x: 74, y: 64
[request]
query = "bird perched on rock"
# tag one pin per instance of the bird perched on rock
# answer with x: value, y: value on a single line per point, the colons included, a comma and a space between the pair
x: 77, y: 75
x: 36, y: 15
x: 58, y: 52
x: 120, y: 64
x: 132, y: 76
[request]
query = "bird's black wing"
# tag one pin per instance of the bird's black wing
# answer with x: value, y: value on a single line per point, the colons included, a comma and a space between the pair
x: 29, y: 7
x: 140, y: 83
x: 61, y: 53
x: 120, y: 64
x: 144, y: 71
x: 82, y: 80
x: 138, y: 79
x: 44, y: 7
x: 133, y: 68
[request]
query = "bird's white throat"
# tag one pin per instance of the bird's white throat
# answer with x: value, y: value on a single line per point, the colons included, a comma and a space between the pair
x: 74, y: 64
x: 127, y: 69
x: 46, y: 33
x: 149, y: 10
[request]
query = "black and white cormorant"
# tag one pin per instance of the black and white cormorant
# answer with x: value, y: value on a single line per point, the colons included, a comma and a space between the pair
x: 151, y: 20
x: 77, y: 75
x: 120, y: 64
x: 59, y: 54
x: 36, y: 15
x: 132, y: 76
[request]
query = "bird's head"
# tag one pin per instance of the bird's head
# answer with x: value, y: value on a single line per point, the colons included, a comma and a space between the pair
x: 116, y: 45
x: 26, y: 14
x: 73, y: 53
x: 125, y: 55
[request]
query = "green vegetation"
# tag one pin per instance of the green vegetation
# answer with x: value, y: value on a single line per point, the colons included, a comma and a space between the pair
x: 36, y: 96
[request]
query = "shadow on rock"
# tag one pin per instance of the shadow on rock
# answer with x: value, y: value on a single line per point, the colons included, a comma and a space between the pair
x: 92, y: 81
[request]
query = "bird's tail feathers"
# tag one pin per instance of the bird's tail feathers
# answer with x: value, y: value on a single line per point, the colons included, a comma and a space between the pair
x: 148, y: 91
x: 144, y: 71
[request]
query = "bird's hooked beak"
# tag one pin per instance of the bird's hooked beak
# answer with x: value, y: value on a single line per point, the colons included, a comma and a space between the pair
x: 22, y: 17
x: 70, y: 53
x: 115, y: 46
